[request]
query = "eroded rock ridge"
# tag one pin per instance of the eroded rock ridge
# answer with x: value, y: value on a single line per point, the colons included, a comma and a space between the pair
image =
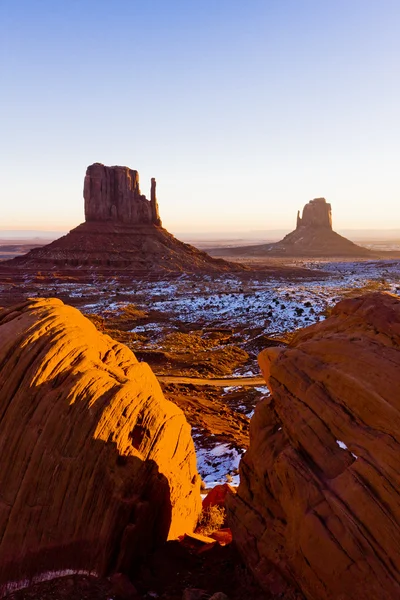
x: 318, y: 506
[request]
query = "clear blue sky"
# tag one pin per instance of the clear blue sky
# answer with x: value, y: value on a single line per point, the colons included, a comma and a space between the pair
x: 243, y: 111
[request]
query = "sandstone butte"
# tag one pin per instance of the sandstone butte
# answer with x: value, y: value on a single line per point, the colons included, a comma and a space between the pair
x: 313, y: 237
x: 97, y: 467
x: 318, y: 506
x: 122, y: 230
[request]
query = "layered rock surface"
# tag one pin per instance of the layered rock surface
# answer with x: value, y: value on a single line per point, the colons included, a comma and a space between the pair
x: 97, y: 467
x: 113, y: 194
x: 122, y: 230
x: 316, y: 213
x: 318, y: 505
x: 313, y: 237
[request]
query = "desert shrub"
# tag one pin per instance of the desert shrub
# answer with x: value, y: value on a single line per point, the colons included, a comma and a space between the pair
x: 97, y: 321
x: 211, y: 519
x: 130, y: 311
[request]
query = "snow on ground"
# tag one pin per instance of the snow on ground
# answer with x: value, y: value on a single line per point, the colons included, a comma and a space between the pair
x: 271, y: 306
x: 217, y: 463
x: 274, y: 306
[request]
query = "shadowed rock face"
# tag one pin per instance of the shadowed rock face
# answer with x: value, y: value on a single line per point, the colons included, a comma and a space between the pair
x: 318, y: 504
x: 113, y: 194
x: 317, y: 213
x: 96, y: 466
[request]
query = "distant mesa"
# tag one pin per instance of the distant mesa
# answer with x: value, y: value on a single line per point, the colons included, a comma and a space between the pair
x: 313, y: 237
x: 317, y: 213
x: 122, y: 230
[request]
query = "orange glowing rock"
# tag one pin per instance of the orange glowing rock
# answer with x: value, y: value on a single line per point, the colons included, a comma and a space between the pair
x: 97, y: 467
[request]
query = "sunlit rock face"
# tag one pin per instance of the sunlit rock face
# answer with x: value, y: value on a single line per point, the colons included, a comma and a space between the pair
x: 96, y: 466
x: 113, y: 194
x: 317, y: 213
x: 318, y: 506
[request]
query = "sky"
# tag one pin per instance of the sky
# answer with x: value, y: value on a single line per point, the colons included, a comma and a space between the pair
x: 243, y: 111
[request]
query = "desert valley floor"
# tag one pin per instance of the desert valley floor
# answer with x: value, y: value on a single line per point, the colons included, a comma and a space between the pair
x: 201, y: 334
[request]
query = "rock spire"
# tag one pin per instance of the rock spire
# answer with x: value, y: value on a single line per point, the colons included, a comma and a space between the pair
x: 154, y: 203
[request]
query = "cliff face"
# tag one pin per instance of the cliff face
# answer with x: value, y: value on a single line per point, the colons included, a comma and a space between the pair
x: 113, y: 194
x: 316, y: 213
x: 318, y: 504
x: 97, y: 467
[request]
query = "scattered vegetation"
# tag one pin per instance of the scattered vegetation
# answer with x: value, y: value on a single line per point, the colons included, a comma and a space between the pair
x: 97, y: 321
x: 211, y: 519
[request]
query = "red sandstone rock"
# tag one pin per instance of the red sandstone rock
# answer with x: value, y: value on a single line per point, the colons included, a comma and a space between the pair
x: 222, y: 536
x: 318, y: 504
x: 266, y: 358
x: 96, y: 466
x: 122, y: 231
x: 317, y: 213
x: 313, y: 237
x: 113, y: 194
x: 216, y: 496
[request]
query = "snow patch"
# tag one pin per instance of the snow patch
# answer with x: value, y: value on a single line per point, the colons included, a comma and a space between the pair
x: 219, y: 464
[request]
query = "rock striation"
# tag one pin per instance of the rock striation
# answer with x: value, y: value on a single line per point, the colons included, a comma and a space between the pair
x: 318, y: 506
x: 97, y: 467
x: 113, y: 194
x: 122, y: 231
x: 313, y: 237
x: 317, y: 213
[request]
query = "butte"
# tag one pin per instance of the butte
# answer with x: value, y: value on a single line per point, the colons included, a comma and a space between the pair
x: 122, y: 231
x: 313, y: 237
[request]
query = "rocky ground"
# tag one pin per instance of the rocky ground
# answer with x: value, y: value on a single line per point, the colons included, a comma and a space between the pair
x: 201, y: 334
x: 195, y: 330
x: 173, y: 573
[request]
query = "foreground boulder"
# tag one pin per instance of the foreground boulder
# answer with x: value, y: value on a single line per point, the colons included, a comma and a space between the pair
x: 96, y: 466
x: 318, y: 506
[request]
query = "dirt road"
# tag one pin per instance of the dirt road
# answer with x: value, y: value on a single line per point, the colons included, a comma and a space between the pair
x: 225, y: 382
